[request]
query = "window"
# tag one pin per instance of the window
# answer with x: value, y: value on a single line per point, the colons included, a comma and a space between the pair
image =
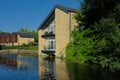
x: 50, y: 44
x: 51, y: 28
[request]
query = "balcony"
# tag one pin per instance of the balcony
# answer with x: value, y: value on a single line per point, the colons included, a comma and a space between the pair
x: 48, y: 34
x: 50, y: 50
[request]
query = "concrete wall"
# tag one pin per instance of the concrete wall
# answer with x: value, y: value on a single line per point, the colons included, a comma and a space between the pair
x: 18, y: 41
x: 41, y: 41
x: 64, y: 23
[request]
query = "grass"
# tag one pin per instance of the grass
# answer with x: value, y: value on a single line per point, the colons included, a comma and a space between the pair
x: 27, y: 47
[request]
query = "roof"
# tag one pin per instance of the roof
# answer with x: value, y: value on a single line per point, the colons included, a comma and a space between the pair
x: 25, y: 35
x: 68, y: 9
x: 63, y: 8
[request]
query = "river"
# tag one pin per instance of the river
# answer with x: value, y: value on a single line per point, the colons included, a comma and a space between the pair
x: 30, y: 67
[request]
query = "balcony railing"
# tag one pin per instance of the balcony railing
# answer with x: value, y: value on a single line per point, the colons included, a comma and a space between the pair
x: 49, y: 50
x: 49, y: 34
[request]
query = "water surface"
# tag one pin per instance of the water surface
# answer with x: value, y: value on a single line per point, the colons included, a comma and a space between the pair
x: 25, y: 67
x: 18, y: 67
x: 56, y: 69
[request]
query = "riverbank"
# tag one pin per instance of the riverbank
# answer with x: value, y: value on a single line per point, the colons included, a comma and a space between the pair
x: 21, y: 51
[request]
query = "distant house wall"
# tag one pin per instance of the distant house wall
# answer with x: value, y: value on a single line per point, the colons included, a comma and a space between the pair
x: 24, y: 40
x: 14, y: 39
x: 8, y: 39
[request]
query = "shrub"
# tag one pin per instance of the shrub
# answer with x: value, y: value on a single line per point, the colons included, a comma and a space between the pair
x: 0, y: 47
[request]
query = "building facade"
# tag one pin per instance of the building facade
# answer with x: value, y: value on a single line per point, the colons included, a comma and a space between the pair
x: 16, y: 39
x: 54, y: 32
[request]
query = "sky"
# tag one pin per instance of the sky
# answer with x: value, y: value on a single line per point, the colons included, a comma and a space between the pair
x: 16, y: 14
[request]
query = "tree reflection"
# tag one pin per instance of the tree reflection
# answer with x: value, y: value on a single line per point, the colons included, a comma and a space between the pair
x: 84, y: 72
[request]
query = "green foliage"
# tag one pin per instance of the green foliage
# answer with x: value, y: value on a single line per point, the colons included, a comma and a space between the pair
x: 116, y: 13
x: 24, y: 47
x: 29, y: 48
x: 0, y: 47
x: 115, y: 66
x: 1, y: 32
x: 93, y: 10
x: 96, y: 39
x: 23, y: 44
x: 31, y: 44
x: 107, y: 35
x: 80, y: 47
x: 73, y: 54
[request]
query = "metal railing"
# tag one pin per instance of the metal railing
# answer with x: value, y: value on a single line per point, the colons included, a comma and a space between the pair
x: 49, y: 48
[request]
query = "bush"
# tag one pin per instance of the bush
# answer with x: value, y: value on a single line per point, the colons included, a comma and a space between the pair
x: 80, y: 47
x: 0, y: 47
x: 96, y: 39
x: 31, y: 44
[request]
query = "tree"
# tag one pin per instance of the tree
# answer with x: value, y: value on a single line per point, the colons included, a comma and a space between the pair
x: 24, y: 30
x: 1, y: 32
x: 100, y: 23
x: 92, y: 11
x: 107, y: 35
x: 97, y: 36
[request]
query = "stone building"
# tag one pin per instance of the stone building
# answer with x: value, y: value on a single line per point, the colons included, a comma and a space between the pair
x: 55, y: 30
x: 16, y: 39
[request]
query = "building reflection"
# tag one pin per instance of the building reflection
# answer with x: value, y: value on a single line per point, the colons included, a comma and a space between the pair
x: 13, y: 62
x: 52, y: 69
x: 46, y: 68
x: 8, y: 62
x: 61, y: 70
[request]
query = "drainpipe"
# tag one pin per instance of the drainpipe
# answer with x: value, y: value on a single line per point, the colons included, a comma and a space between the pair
x: 69, y: 26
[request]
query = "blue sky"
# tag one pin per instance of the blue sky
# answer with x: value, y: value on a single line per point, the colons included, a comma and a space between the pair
x: 16, y: 14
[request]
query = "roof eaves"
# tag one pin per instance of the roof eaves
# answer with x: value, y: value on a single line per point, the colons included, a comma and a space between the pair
x: 45, y: 20
x: 64, y: 8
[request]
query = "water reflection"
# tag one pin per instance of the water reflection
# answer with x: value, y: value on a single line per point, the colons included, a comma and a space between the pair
x: 84, y: 72
x: 61, y: 70
x: 18, y: 67
x: 52, y: 69
x: 8, y: 62
x: 56, y: 69
x: 46, y: 68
